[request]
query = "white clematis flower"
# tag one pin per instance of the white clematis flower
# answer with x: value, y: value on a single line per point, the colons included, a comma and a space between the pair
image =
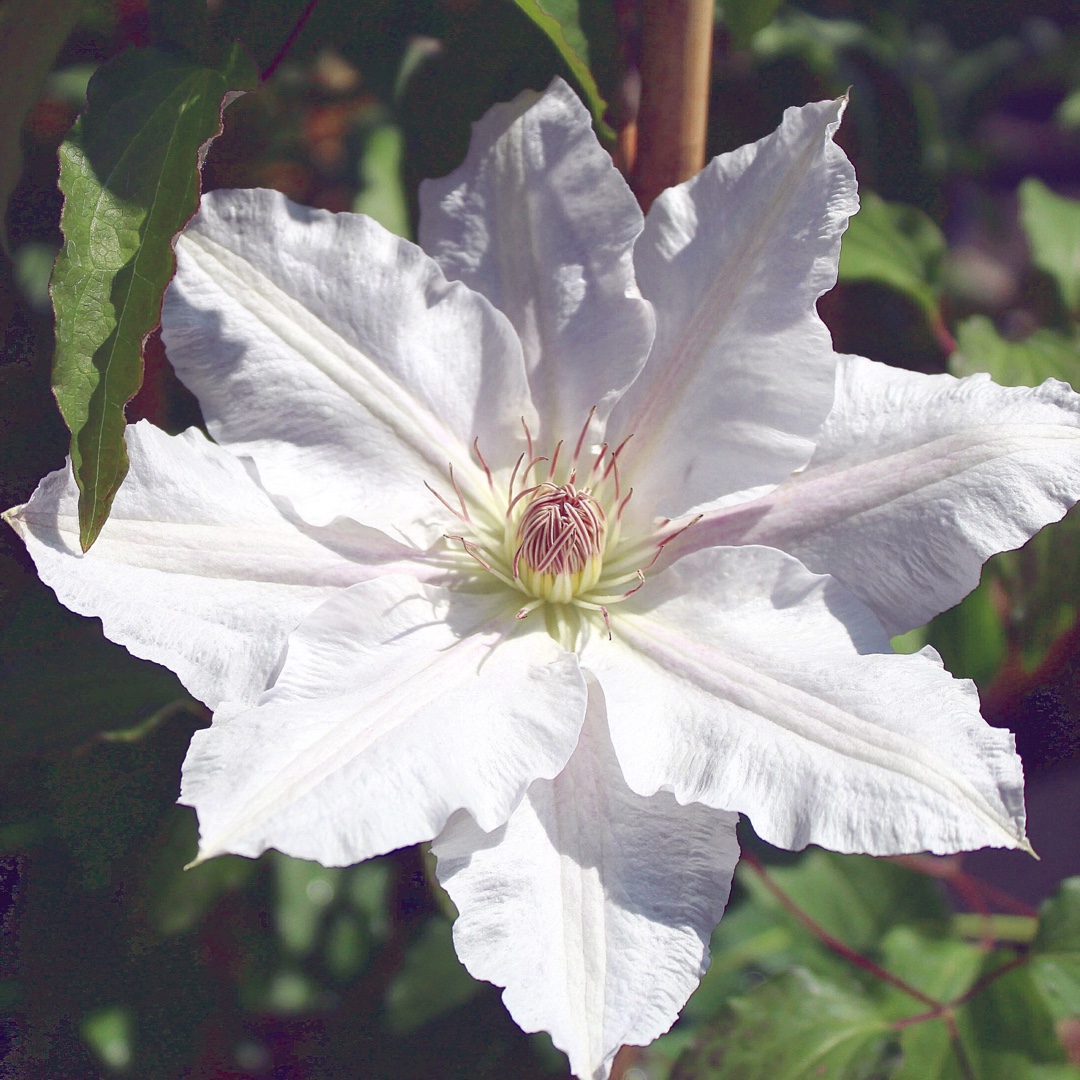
x: 532, y: 542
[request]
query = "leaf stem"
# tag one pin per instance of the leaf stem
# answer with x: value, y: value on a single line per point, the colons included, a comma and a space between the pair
x: 676, y: 49
x: 294, y: 33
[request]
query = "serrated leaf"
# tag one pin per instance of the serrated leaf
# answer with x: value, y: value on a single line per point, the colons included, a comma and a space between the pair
x: 130, y: 176
x: 1052, y: 224
x: 744, y: 18
x: 30, y: 37
x: 1045, y: 354
x: 794, y: 1027
x: 896, y: 245
x: 1055, y: 952
x: 560, y: 20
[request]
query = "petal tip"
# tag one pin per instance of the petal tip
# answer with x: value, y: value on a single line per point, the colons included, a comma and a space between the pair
x: 13, y: 516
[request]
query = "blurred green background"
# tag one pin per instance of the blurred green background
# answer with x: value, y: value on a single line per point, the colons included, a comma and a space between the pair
x: 964, y: 128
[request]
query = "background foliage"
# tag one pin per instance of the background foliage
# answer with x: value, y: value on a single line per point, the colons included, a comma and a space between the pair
x: 965, y: 130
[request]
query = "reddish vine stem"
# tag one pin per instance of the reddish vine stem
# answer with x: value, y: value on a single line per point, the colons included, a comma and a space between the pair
x: 294, y: 33
x: 835, y: 944
x: 974, y: 891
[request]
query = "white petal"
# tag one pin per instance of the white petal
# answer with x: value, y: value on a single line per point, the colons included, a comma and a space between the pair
x: 593, y: 906
x: 196, y: 568
x: 541, y: 222
x: 740, y: 679
x: 398, y: 704
x: 917, y: 481
x: 338, y: 357
x: 741, y: 375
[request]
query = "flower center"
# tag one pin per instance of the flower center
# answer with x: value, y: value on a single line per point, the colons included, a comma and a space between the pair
x: 551, y: 530
x: 559, y: 542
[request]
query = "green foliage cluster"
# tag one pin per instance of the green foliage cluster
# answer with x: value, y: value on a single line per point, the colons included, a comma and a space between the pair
x: 932, y: 995
x: 120, y: 963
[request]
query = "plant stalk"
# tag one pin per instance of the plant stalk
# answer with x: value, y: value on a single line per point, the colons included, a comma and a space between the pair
x: 676, y: 48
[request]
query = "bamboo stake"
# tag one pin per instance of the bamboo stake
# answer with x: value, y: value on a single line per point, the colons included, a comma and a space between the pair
x: 676, y: 47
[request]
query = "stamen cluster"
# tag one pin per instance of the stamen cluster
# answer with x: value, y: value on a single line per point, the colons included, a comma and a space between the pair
x: 560, y: 542
x: 554, y: 531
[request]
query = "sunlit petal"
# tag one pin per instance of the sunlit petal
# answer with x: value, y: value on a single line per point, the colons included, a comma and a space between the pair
x: 398, y: 704
x: 917, y: 480
x: 540, y: 221
x: 593, y: 906
x: 196, y: 568
x: 740, y: 679
x: 339, y: 358
x: 741, y: 375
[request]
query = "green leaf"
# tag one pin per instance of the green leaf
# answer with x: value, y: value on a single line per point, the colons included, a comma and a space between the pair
x: 382, y: 195
x: 430, y: 982
x: 110, y: 1035
x: 561, y: 21
x: 1010, y: 1015
x: 1042, y: 583
x: 1018, y: 929
x: 927, y: 1052
x: 107, y: 801
x: 1045, y: 354
x: 1052, y: 224
x: 855, y: 898
x: 368, y: 891
x: 130, y: 177
x: 895, y: 245
x: 749, y: 936
x: 820, y: 43
x: 30, y: 37
x: 1068, y: 112
x: 348, y: 945
x: 1055, y: 952
x: 179, y: 898
x: 304, y: 892
x: 62, y: 682
x: 971, y: 637
x: 941, y: 967
x: 794, y: 1027
x: 744, y: 18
